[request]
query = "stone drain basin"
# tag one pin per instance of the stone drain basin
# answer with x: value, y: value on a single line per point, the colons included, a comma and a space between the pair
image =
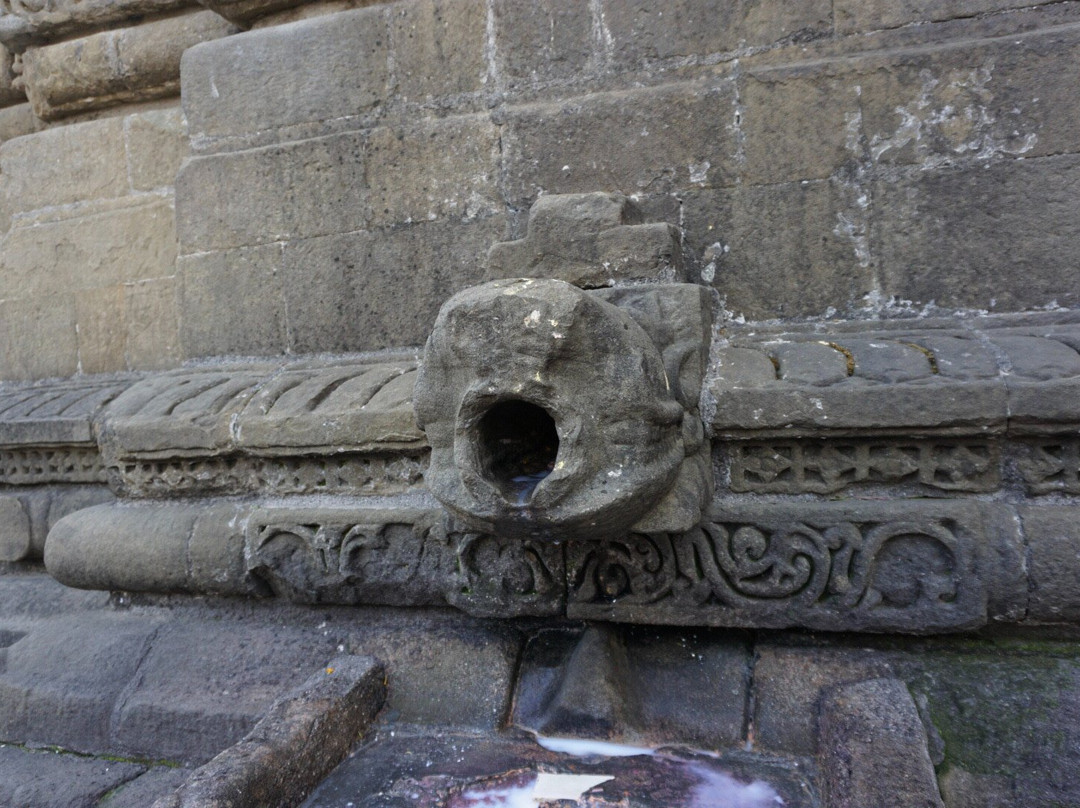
x: 518, y: 770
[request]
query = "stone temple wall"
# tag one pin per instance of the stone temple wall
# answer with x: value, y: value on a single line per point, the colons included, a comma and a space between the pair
x: 330, y: 176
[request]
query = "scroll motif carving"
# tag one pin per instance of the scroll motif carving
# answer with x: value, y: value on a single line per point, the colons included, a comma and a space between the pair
x: 1051, y: 465
x: 496, y: 572
x: 403, y: 561
x: 845, y: 574
x: 823, y: 467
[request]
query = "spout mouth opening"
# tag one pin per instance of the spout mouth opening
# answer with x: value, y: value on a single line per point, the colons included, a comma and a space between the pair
x: 517, y: 444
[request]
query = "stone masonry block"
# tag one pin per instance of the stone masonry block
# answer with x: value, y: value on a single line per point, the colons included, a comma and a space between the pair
x: 588, y: 240
x: 437, y: 170
x: 343, y: 292
x: 9, y: 95
x: 114, y: 67
x: 156, y: 146
x: 643, y: 31
x: 311, y: 70
x: 112, y: 244
x: 543, y: 40
x: 982, y: 99
x: 860, y: 15
x: 64, y: 164
x: 1053, y: 538
x: 1003, y: 236
x: 438, y: 47
x: 789, y: 683
x: 305, y: 188
x: 231, y: 302
x: 795, y: 124
x: 14, y: 530
x: 37, y: 337
x: 91, y: 658
x: 651, y: 140
x: 34, y: 23
x: 99, y: 314
x: 874, y: 747
x: 150, y: 313
x: 777, y: 250
x: 201, y: 690
x: 302, y: 737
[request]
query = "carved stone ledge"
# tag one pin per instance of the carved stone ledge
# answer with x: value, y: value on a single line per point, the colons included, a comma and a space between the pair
x: 401, y: 557
x: 827, y: 466
x: 994, y: 375
x: 34, y: 22
x: 872, y: 566
x: 105, y: 69
x: 272, y: 476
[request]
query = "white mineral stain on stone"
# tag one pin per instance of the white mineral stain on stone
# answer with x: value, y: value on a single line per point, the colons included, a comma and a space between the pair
x: 719, y: 789
x: 699, y: 172
x: 533, y: 318
x: 551, y: 786
x: 579, y: 747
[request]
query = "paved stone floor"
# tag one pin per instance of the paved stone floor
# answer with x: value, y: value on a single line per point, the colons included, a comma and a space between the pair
x: 432, y: 770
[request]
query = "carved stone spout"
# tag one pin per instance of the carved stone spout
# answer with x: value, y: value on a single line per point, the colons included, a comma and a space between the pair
x: 550, y: 413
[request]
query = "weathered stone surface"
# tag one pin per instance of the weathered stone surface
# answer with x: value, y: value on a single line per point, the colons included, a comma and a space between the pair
x: 156, y: 548
x: 443, y: 672
x: 18, y: 120
x: 826, y: 466
x: 91, y: 659
x: 9, y: 94
x: 303, y: 735
x: 1008, y: 719
x: 115, y: 243
x: 144, y: 789
x: 303, y: 407
x: 343, y: 292
x: 445, y: 169
x: 1050, y: 465
x: 640, y: 141
x: 255, y: 193
x: 639, y: 686
x: 1025, y: 254
x: 202, y: 688
x: 858, y: 15
x: 788, y: 685
x: 542, y: 40
x: 226, y: 83
x: 265, y: 409
x: 404, y: 556
x: 547, y: 349
x: 34, y: 23
x: 1053, y: 539
x: 150, y: 313
x: 64, y: 164
x: 114, y: 67
x: 590, y: 240
x: 38, y: 338
x: 901, y: 566
x: 439, y: 47
x: 874, y: 748
x: 641, y: 31
x: 99, y: 316
x: 57, y: 413
x: 57, y: 780
x: 780, y: 250
x: 14, y: 530
x: 230, y: 302
x: 157, y: 144
x: 244, y: 12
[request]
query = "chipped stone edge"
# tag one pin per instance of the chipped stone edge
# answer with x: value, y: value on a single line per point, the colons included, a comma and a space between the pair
x: 303, y: 736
